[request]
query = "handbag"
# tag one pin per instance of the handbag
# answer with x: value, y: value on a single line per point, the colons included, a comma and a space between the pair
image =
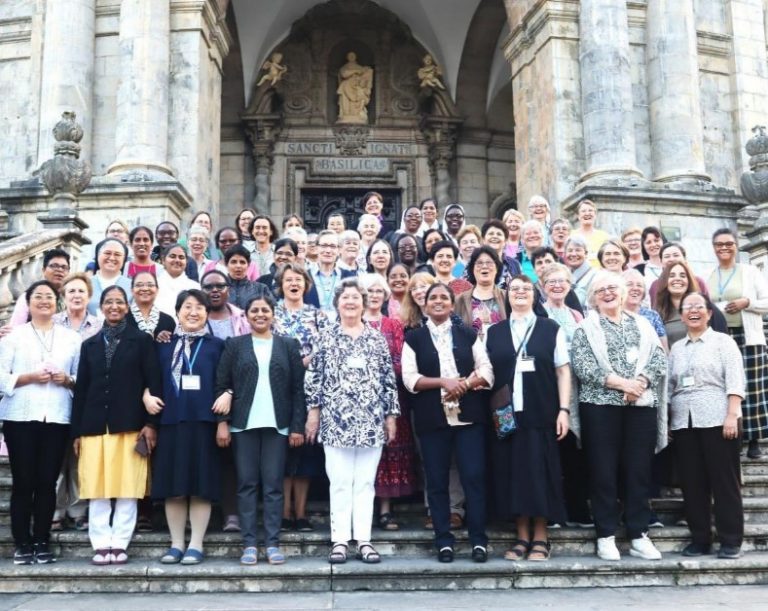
x: 503, y: 412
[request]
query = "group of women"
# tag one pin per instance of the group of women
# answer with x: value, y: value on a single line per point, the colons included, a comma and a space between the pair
x: 529, y: 378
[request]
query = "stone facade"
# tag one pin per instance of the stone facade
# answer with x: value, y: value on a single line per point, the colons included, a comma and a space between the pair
x: 643, y: 105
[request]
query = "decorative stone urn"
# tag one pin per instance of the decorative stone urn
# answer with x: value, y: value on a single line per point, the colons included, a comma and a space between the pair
x: 754, y: 184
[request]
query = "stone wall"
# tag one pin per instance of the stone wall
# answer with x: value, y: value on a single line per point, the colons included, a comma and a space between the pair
x: 20, y: 40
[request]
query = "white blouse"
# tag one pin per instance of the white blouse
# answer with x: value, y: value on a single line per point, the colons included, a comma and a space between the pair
x: 168, y: 288
x: 24, y: 351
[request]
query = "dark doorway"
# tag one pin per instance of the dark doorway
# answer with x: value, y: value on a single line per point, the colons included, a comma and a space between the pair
x: 318, y: 204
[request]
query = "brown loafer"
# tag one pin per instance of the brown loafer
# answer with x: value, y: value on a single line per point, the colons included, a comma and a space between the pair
x: 456, y: 521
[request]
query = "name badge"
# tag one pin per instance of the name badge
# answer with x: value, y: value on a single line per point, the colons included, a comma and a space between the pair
x: 687, y: 381
x: 720, y: 305
x: 527, y: 365
x: 356, y: 362
x: 190, y: 382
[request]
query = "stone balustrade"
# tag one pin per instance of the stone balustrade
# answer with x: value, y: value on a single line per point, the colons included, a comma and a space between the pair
x: 21, y: 261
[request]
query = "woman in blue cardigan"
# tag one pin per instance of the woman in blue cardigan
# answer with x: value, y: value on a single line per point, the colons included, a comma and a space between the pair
x: 186, y: 467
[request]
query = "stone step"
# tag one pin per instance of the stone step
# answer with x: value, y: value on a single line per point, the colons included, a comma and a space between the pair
x: 670, y: 510
x: 392, y: 574
x: 411, y: 542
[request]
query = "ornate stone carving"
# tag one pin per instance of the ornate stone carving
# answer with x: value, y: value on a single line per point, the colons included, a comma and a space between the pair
x: 354, y: 91
x: 754, y: 184
x: 274, y: 70
x: 351, y: 140
x: 263, y: 130
x: 66, y: 176
x: 441, y: 134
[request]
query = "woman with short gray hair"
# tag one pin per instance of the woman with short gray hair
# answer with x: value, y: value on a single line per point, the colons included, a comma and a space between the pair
x: 352, y: 406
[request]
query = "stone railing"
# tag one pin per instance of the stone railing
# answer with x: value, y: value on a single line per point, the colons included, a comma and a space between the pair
x: 21, y: 261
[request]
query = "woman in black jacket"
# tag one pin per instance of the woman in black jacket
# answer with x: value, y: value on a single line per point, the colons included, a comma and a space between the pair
x: 113, y: 432
x: 267, y: 414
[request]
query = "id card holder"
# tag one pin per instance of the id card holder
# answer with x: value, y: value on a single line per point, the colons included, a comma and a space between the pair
x: 527, y: 365
x: 190, y: 382
x: 356, y: 362
x: 687, y: 381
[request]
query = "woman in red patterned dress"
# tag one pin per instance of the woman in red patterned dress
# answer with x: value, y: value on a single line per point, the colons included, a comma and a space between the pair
x: 396, y: 476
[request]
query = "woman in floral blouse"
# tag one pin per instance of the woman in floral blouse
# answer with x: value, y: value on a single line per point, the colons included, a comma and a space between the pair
x: 621, y: 368
x: 396, y: 476
x: 303, y: 322
x: 484, y: 305
x: 352, y: 405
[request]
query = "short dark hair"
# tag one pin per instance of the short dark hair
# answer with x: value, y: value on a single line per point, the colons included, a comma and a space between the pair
x: 494, y: 223
x: 441, y: 245
x: 429, y: 232
x: 137, y: 274
x: 725, y: 231
x: 55, y: 253
x: 196, y: 294
x: 710, y: 306
x: 291, y: 244
x: 677, y: 245
x: 296, y: 268
x: 441, y: 285
x: 427, y: 199
x: 237, y: 249
x: 34, y: 285
x: 646, y: 232
x: 214, y: 272
x: 171, y: 223
x: 136, y: 230
x: 293, y: 215
x: 272, y: 226
x: 483, y: 250
x: 170, y: 247
x: 109, y: 289
x: 265, y: 296
x: 543, y: 251
x: 217, y: 235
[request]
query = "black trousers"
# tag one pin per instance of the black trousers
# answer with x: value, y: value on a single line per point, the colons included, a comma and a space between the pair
x: 36, y: 453
x: 437, y: 447
x: 619, y: 442
x: 573, y: 463
x: 710, y: 466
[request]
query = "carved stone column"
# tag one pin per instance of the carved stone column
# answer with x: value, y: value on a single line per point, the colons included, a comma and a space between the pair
x: 606, y: 90
x: 65, y: 176
x: 262, y: 130
x: 677, y: 135
x: 141, y: 132
x: 441, y: 134
x: 67, y: 69
x: 754, y: 187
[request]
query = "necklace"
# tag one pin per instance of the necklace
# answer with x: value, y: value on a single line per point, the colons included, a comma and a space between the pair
x: 41, y: 338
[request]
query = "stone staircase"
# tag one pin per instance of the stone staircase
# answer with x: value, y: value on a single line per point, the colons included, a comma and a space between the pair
x: 408, y: 561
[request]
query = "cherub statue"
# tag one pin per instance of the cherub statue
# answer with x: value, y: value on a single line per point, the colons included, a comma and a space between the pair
x: 275, y: 70
x: 429, y: 74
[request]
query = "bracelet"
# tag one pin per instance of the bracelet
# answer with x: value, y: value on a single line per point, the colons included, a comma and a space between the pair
x: 567, y: 410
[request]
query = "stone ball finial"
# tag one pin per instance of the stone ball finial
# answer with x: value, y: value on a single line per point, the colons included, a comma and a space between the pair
x: 68, y: 129
x: 754, y: 184
x: 66, y: 175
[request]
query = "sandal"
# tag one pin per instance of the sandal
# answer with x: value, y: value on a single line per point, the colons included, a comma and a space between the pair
x: 368, y: 554
x: 172, y: 556
x: 118, y: 556
x: 275, y: 556
x: 57, y: 525
x: 387, y: 521
x: 541, y: 549
x: 518, y: 550
x: 338, y: 553
x: 192, y: 556
x: 102, y: 557
x: 250, y: 556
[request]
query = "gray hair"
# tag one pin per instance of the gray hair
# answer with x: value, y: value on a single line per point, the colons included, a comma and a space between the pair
x: 198, y: 230
x: 368, y: 217
x: 348, y: 235
x: 346, y: 284
x: 368, y: 281
x: 328, y: 232
x: 632, y: 274
x: 532, y: 224
x: 576, y: 240
x: 538, y: 199
x: 553, y: 268
x: 601, y: 277
x: 299, y: 232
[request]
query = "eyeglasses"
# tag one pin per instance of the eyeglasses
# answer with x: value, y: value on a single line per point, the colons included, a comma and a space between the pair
x: 485, y: 264
x: 58, y: 267
x: 611, y: 288
x: 694, y: 307
x: 327, y: 246
x: 145, y: 285
x: 556, y: 281
x: 108, y: 254
x: 719, y: 245
x: 218, y: 286
x: 377, y: 292
x: 520, y: 289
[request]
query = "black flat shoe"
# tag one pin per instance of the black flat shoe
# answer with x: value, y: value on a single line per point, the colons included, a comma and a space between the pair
x: 729, y: 552
x: 445, y: 554
x: 753, y: 449
x: 697, y: 549
x: 479, y: 554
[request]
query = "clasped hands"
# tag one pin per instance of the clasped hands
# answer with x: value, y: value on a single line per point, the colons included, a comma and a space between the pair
x: 634, y: 388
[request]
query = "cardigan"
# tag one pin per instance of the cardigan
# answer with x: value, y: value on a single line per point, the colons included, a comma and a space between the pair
x: 238, y: 370
x: 755, y: 289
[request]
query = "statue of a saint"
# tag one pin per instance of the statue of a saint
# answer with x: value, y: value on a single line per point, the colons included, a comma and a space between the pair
x: 355, y: 83
x: 274, y: 70
x: 429, y: 74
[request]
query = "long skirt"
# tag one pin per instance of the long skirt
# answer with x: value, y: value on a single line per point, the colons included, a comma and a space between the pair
x: 755, y: 404
x: 109, y: 467
x: 527, y: 478
x: 187, y: 462
x: 397, y: 472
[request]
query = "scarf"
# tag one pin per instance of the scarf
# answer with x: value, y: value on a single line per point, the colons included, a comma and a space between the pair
x: 649, y: 340
x: 442, y: 338
x: 112, y: 339
x: 148, y: 326
x: 182, y: 349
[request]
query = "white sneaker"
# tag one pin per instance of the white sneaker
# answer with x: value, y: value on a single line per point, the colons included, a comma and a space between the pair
x: 644, y: 548
x: 606, y: 548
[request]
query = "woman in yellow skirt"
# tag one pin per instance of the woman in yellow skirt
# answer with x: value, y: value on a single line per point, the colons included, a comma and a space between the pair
x: 113, y: 432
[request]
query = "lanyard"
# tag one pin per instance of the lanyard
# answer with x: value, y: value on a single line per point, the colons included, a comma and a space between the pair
x: 522, y: 348
x: 191, y: 363
x: 720, y: 286
x: 323, y: 286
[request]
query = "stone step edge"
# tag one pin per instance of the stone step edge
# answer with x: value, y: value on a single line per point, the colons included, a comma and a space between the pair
x: 391, y: 575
